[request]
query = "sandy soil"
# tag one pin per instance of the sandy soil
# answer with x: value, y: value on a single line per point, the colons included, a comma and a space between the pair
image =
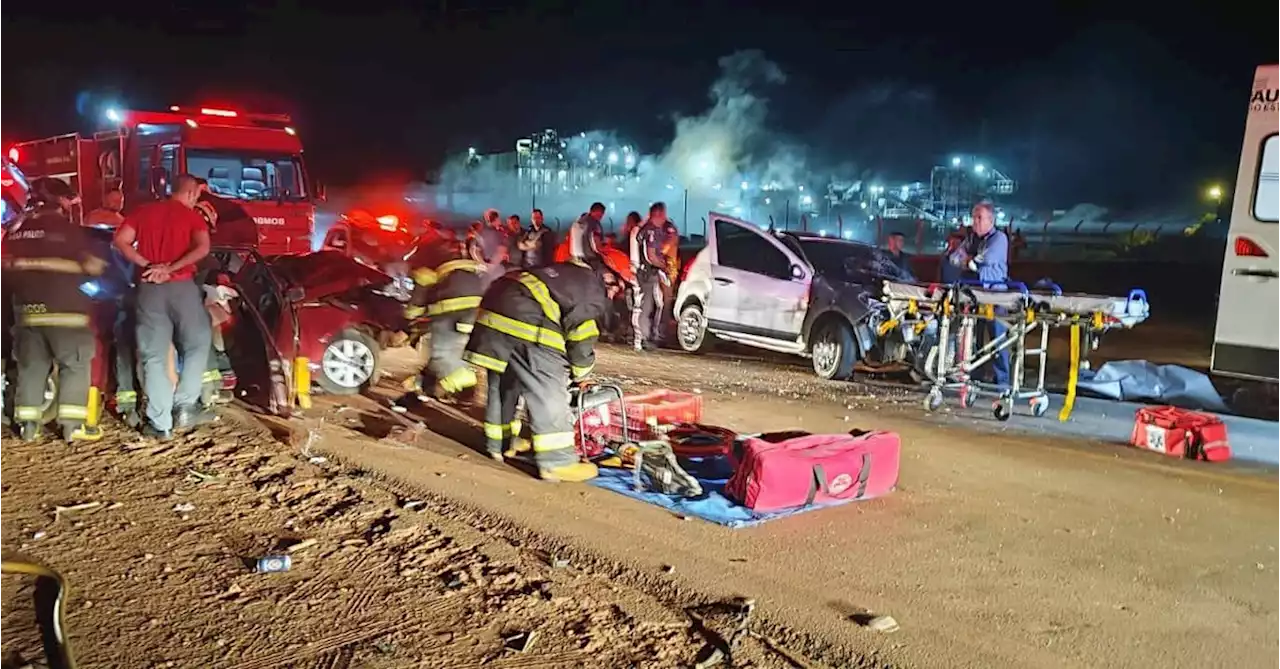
x: 997, y: 549
x: 158, y: 574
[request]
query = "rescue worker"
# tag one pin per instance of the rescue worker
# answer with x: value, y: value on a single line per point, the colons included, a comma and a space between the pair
x: 986, y: 253
x: 109, y: 214
x: 897, y: 244
x: 447, y: 290
x: 515, y: 257
x: 649, y: 265
x: 48, y: 260
x: 535, y: 334
x: 586, y: 236
x: 231, y: 224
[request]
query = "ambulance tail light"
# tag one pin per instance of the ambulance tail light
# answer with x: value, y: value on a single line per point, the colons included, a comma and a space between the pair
x: 225, y: 113
x: 389, y: 222
x: 1247, y: 248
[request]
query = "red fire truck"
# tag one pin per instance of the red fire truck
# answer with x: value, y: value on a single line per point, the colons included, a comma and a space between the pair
x: 253, y: 159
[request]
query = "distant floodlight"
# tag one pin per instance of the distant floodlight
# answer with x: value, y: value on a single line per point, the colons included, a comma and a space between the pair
x: 822, y: 233
x: 599, y: 147
x: 979, y: 168
x: 591, y: 155
x: 805, y: 199
x: 800, y: 188
x: 768, y: 200
x: 113, y: 115
x: 745, y: 185
x: 955, y: 162
x: 613, y: 156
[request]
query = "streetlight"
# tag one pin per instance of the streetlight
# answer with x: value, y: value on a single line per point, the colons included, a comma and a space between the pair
x: 613, y: 157
x: 1215, y: 193
x: 979, y: 168
x: 955, y: 162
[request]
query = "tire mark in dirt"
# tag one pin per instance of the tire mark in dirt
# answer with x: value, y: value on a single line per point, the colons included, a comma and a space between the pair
x: 563, y: 659
x: 326, y: 645
x: 339, y: 659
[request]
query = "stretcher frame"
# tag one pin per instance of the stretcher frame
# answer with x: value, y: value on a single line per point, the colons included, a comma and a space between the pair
x: 963, y: 307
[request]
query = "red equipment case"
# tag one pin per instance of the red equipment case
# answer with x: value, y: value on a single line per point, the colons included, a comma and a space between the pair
x: 1181, y: 433
x: 815, y: 469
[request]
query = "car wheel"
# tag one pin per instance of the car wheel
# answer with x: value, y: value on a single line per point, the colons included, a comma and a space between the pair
x: 833, y: 351
x: 691, y: 331
x: 349, y: 363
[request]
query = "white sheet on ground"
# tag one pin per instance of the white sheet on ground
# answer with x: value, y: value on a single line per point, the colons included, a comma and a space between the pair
x: 1142, y: 381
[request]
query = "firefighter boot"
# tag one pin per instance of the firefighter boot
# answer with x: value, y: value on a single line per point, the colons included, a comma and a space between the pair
x: 28, y: 431
x: 455, y: 383
x: 80, y: 432
x: 573, y: 473
x: 187, y: 417
x: 129, y: 414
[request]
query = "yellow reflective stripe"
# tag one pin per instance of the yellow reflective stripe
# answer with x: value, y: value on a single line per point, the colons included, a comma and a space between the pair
x: 587, y: 330
x: 464, y: 328
x: 211, y: 375
x: 73, y: 411
x: 414, y: 313
x: 553, y: 441
x: 515, y: 427
x: 579, y: 372
x: 458, y: 380
x: 542, y: 295
x: 521, y: 330
x: 496, y: 431
x: 425, y: 276
x: 59, y: 265
x: 450, y: 304
x: 127, y: 396
x: 55, y: 320
x: 463, y: 264
x: 27, y: 413
x: 482, y: 360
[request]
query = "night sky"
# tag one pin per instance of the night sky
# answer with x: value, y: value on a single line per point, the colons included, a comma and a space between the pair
x: 1105, y: 102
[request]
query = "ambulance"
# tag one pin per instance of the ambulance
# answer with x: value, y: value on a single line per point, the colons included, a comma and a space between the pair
x: 1246, y: 340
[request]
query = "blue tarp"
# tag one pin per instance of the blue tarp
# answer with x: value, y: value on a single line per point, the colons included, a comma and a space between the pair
x: 712, y: 507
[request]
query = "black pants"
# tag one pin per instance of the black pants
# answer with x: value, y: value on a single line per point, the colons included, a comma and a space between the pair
x: 37, y: 349
x: 646, y: 311
x: 126, y: 359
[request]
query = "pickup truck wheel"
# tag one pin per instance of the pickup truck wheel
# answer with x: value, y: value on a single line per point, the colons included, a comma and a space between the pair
x: 833, y: 351
x: 349, y: 363
x: 691, y: 331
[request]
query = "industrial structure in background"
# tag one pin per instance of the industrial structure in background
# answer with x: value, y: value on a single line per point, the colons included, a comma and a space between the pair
x: 562, y: 174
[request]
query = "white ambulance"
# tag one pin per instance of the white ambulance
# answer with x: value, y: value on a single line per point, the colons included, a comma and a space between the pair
x: 1246, y: 341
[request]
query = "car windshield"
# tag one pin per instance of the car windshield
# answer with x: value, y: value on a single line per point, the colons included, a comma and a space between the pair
x: 248, y: 175
x: 848, y: 261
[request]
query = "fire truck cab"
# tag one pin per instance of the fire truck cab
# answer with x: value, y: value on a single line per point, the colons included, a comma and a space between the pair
x: 253, y: 159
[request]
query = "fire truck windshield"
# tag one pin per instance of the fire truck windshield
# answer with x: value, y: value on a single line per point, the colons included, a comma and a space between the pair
x: 248, y: 175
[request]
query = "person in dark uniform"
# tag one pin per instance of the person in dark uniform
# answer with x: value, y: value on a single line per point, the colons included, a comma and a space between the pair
x: 447, y: 290
x: 649, y: 264
x: 535, y: 333
x: 47, y: 261
x: 898, y: 242
x: 538, y: 243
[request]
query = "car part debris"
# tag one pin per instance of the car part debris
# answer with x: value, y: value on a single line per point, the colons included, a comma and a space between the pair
x: 521, y: 642
x: 273, y: 563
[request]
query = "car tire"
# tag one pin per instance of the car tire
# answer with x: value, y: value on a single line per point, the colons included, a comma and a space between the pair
x: 833, y: 350
x: 349, y: 364
x: 691, y: 330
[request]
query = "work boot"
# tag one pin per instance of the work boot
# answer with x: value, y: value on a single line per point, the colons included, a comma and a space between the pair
x: 519, y: 446
x: 152, y: 432
x: 187, y: 417
x: 129, y: 415
x: 29, y: 431
x: 574, y: 473
x: 496, y: 457
x: 74, y: 433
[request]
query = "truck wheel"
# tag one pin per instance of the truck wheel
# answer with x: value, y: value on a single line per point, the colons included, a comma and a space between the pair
x: 833, y: 350
x: 349, y: 364
x: 691, y: 331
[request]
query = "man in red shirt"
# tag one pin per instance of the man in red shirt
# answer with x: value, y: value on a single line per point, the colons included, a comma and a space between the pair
x: 165, y: 240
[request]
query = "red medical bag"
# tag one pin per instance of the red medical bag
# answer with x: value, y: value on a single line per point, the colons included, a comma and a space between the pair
x: 814, y: 469
x: 1181, y: 433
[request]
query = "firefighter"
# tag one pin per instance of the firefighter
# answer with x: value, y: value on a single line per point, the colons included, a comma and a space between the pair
x: 535, y: 334
x: 649, y: 264
x: 447, y: 290
x: 50, y: 260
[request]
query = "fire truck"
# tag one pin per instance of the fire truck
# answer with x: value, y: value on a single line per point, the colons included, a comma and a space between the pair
x: 253, y: 159
x: 14, y: 186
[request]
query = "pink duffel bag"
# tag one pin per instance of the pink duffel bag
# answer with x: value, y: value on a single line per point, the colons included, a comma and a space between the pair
x: 814, y: 469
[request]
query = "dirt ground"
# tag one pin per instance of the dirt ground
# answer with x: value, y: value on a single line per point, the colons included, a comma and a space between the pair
x: 157, y: 566
x: 997, y: 549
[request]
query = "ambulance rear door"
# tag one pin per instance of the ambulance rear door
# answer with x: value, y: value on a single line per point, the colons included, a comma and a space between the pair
x: 1246, y: 341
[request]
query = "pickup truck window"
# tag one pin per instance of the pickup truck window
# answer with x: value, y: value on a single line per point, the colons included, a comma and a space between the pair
x: 745, y: 250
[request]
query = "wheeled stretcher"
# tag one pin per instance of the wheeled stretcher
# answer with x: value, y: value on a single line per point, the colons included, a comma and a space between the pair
x: 943, y: 323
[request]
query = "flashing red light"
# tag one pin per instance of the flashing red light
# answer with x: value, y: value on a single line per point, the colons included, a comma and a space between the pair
x: 13, y: 154
x: 389, y: 222
x: 209, y: 111
x: 1248, y: 248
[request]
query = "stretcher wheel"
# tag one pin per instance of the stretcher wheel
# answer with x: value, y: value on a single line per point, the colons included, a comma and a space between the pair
x: 1040, y: 406
x: 932, y: 401
x: 1003, y: 409
x: 968, y: 396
